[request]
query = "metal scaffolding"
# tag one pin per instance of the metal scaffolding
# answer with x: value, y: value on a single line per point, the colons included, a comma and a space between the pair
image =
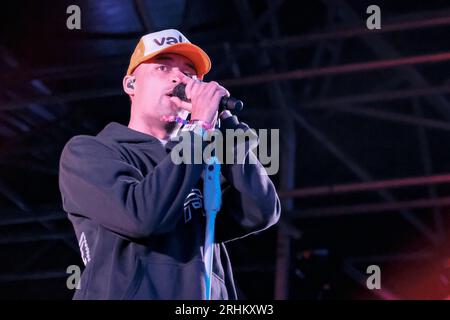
x: 42, y: 106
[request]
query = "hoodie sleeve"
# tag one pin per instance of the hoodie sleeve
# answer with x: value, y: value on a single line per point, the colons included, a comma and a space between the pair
x: 250, y: 202
x: 96, y: 182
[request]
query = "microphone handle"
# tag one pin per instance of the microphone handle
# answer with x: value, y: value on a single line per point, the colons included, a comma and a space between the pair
x: 230, y: 103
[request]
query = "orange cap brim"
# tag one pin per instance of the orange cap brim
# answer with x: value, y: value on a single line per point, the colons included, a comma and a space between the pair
x: 199, y: 58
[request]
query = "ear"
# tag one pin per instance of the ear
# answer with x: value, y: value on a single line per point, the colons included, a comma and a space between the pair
x: 129, y: 85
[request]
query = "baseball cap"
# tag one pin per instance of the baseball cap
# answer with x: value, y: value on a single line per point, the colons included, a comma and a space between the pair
x: 169, y: 41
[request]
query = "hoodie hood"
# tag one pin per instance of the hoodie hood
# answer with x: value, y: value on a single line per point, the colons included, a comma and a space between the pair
x: 122, y: 134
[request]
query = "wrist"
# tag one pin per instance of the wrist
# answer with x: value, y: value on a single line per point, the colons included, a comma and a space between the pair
x: 204, y: 124
x: 194, y: 128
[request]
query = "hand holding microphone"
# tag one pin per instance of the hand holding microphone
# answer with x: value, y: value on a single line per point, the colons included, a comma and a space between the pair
x: 202, y: 99
x: 226, y: 102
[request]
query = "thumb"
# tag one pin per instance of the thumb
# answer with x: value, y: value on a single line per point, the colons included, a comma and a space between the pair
x: 181, y: 104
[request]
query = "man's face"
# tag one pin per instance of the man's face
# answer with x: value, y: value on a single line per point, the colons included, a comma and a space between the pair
x: 155, y: 80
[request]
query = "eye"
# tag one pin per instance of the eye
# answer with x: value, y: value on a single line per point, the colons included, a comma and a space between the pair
x: 162, y: 68
x: 189, y: 74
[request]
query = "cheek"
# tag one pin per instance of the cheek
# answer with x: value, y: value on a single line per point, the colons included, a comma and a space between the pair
x: 146, y: 93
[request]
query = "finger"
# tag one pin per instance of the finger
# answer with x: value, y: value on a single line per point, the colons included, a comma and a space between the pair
x: 186, y: 80
x: 188, y: 88
x: 226, y: 92
x: 196, y: 88
x: 217, y: 96
x: 183, y: 78
x: 181, y: 104
x: 210, y: 89
x: 215, y: 87
x: 220, y: 91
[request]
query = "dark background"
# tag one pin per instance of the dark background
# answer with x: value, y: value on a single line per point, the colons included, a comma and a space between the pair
x: 370, y: 106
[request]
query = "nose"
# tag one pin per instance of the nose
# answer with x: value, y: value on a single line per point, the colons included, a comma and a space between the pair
x: 175, y: 78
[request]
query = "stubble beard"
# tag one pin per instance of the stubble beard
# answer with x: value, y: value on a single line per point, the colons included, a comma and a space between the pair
x: 170, y: 126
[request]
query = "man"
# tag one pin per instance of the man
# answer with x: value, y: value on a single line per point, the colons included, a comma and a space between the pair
x: 139, y: 217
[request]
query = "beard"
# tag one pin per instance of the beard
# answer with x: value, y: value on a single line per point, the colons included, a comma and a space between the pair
x: 170, y: 126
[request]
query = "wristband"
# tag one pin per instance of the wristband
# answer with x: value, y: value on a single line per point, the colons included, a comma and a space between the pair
x: 205, y: 125
x: 194, y: 128
x: 174, y: 119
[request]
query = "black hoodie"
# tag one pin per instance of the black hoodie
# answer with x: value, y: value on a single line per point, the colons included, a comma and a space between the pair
x: 139, y: 217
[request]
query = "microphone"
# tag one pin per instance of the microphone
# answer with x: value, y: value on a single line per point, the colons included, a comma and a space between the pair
x: 226, y: 103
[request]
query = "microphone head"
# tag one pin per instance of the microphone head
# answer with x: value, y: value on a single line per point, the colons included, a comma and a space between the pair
x: 238, y: 106
x: 179, y: 91
x: 228, y: 103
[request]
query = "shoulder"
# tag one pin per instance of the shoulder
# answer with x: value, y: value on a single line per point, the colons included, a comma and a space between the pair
x: 85, y: 146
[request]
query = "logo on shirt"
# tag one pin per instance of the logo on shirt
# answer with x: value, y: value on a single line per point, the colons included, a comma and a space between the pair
x: 194, y: 200
x: 84, y: 249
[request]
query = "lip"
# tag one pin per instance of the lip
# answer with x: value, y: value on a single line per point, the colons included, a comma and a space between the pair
x: 170, y: 91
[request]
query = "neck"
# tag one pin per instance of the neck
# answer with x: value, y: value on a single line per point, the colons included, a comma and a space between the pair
x: 157, y: 128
